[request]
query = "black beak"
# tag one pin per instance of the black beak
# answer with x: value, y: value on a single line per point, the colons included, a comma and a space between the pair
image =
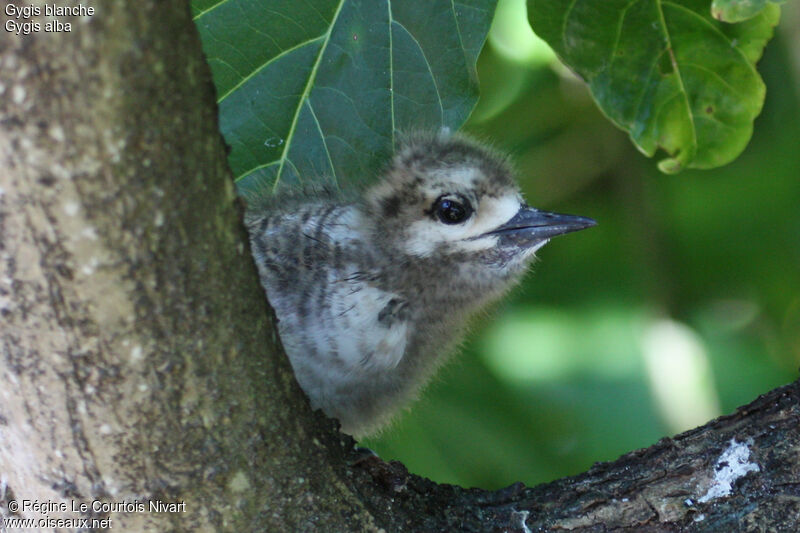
x: 530, y: 226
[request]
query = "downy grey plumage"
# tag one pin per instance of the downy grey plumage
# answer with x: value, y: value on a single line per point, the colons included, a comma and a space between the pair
x: 372, y: 294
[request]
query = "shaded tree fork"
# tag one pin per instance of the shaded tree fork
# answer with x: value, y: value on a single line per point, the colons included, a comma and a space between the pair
x: 137, y: 356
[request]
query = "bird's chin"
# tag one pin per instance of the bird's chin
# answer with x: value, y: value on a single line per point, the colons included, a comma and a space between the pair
x: 523, y: 250
x: 533, y: 248
x: 513, y: 258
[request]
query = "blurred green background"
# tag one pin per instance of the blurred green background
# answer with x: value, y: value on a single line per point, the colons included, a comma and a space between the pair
x: 683, y: 303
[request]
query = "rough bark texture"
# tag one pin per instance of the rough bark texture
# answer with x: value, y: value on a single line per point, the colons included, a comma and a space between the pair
x: 137, y: 360
x: 737, y: 473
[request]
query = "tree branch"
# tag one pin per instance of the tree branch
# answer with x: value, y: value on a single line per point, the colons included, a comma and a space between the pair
x: 739, y: 472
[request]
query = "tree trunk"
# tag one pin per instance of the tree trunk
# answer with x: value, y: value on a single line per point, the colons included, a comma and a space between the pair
x: 138, y: 361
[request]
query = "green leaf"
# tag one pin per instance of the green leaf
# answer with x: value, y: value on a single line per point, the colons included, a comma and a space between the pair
x: 318, y: 90
x: 665, y: 71
x: 738, y: 10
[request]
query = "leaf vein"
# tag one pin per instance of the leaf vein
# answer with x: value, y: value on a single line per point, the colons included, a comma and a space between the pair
x: 322, y: 138
x: 676, y: 68
x: 209, y: 9
x: 391, y: 69
x: 306, y: 92
x: 266, y: 64
x: 430, y: 71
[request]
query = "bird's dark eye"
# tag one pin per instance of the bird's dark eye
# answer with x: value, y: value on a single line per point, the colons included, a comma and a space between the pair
x: 451, y: 210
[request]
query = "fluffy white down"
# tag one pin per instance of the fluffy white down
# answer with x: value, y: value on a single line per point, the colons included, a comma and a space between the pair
x: 362, y: 342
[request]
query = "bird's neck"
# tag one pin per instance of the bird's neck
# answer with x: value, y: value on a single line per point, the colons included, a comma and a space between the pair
x: 447, y: 288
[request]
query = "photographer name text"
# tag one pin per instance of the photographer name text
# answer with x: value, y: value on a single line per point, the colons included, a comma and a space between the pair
x: 47, y: 507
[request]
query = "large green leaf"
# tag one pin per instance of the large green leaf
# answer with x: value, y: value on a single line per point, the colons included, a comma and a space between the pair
x: 318, y: 89
x: 666, y: 72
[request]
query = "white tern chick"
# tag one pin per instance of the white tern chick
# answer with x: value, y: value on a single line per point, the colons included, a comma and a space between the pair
x: 372, y: 294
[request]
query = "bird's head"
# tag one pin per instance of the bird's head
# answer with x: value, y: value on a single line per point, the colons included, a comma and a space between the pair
x: 449, y: 198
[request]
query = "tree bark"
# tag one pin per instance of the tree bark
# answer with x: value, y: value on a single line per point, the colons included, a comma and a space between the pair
x: 737, y: 473
x: 138, y: 361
